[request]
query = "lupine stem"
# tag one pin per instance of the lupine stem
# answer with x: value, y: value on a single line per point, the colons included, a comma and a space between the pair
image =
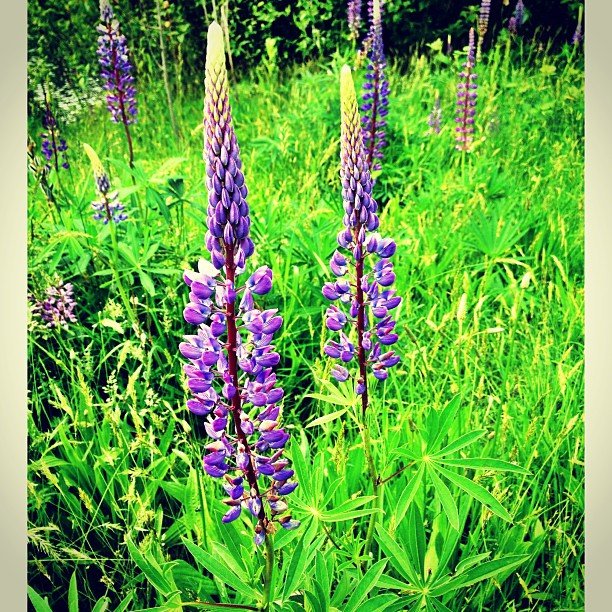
x: 269, y: 568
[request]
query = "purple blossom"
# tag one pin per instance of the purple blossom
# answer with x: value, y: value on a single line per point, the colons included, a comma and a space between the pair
x: 231, y: 357
x: 435, y: 117
x: 483, y: 17
x: 518, y: 17
x: 366, y: 291
x: 577, y: 36
x: 52, y: 146
x: 375, y: 91
x: 466, y: 99
x: 353, y: 12
x: 57, y: 309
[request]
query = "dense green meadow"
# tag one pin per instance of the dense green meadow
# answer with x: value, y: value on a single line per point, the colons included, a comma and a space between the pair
x: 489, y: 263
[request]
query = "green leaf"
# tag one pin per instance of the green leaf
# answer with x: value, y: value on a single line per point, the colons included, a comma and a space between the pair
x: 150, y: 568
x: 489, y: 569
x: 477, y: 492
x: 295, y: 571
x: 465, y: 564
x: 398, y: 557
x: 326, y: 418
x: 147, y: 283
x: 73, y: 594
x: 408, y: 495
x: 347, y: 510
x: 218, y: 568
x: 125, y: 602
x: 460, y: 442
x: 378, y: 603
x: 101, y: 605
x: 40, y: 604
x: 128, y: 254
x: 365, y: 585
x: 417, y: 545
x: 485, y: 463
x: 446, y: 499
x: 445, y: 421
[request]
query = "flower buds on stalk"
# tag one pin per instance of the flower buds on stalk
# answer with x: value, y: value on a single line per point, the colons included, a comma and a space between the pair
x: 231, y: 357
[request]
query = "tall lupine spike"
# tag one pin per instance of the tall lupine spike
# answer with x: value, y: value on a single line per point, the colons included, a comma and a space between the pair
x: 375, y: 91
x: 516, y: 20
x: 353, y: 13
x: 435, y: 117
x: 52, y: 146
x: 231, y: 357
x: 466, y: 99
x: 577, y: 36
x: 108, y: 207
x: 483, y: 24
x: 367, y: 293
x: 116, y: 72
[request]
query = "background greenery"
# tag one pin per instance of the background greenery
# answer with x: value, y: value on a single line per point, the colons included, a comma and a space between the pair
x: 490, y: 265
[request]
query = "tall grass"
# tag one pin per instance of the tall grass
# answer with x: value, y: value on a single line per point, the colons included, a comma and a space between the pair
x: 490, y: 266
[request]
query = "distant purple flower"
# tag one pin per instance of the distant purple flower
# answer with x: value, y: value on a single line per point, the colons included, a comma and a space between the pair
x: 466, y: 99
x: 56, y: 310
x: 375, y: 91
x: 116, y: 68
x: 577, y: 36
x: 483, y: 17
x: 231, y: 357
x: 435, y: 117
x: 364, y: 290
x: 52, y: 146
x: 518, y: 17
x: 354, y: 18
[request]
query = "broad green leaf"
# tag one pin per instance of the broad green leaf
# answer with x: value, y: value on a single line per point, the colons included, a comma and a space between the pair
x: 326, y: 418
x: 365, y: 585
x: 73, y: 594
x: 477, y: 492
x: 348, y: 510
x: 460, y: 442
x: 378, y: 603
x: 481, y: 572
x: 408, y: 495
x: 465, y: 564
x: 484, y: 463
x: 398, y: 557
x: 125, y: 602
x: 40, y: 604
x: 446, y: 499
x: 416, y: 538
x: 445, y: 421
x: 150, y: 568
x: 388, y: 582
x: 218, y: 568
x: 147, y: 283
x: 295, y: 571
x: 101, y: 605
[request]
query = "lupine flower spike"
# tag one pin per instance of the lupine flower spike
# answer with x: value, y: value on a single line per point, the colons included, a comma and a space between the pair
x: 375, y: 92
x: 108, y: 207
x: 57, y: 309
x: 516, y: 21
x: 577, y: 36
x: 116, y: 72
x: 353, y: 13
x: 435, y: 117
x: 52, y: 145
x: 231, y: 356
x: 483, y: 24
x: 365, y: 292
x: 466, y: 99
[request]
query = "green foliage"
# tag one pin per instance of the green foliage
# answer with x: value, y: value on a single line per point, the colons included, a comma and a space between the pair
x: 477, y: 435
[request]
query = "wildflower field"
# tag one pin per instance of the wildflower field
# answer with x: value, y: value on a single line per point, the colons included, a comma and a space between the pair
x: 306, y: 332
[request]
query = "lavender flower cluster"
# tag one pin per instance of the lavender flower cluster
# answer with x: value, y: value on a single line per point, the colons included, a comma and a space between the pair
x: 231, y: 357
x: 108, y: 207
x: 57, y: 309
x: 116, y: 70
x: 466, y: 99
x: 435, y: 117
x: 483, y: 17
x: 375, y: 91
x: 353, y: 12
x: 367, y: 293
x: 52, y: 146
x: 518, y: 16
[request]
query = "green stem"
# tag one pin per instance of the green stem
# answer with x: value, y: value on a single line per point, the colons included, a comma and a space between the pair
x: 377, y: 488
x: 267, y: 578
x: 115, y: 267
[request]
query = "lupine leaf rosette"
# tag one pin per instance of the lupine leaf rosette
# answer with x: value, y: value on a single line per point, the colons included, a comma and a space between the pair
x: 362, y: 294
x: 230, y: 372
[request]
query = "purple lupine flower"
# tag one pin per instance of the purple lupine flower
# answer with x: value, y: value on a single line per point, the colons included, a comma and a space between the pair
x: 483, y: 17
x: 52, y: 145
x: 353, y: 12
x: 107, y: 207
x: 231, y: 357
x: 375, y: 91
x: 57, y: 309
x: 466, y: 99
x: 435, y: 117
x: 578, y: 36
x: 364, y: 290
x: 116, y: 72
x: 516, y: 20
